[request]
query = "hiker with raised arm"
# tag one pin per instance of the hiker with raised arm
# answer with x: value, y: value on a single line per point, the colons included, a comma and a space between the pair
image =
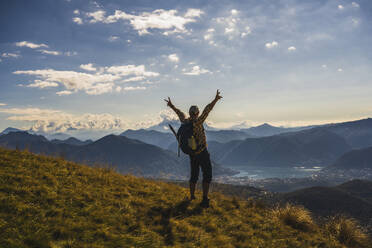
x: 195, y: 145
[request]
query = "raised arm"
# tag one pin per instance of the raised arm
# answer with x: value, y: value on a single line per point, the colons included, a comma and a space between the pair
x: 209, y: 107
x: 180, y: 114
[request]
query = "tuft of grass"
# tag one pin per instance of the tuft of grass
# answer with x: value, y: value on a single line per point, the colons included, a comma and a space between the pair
x: 347, y: 231
x: 295, y: 216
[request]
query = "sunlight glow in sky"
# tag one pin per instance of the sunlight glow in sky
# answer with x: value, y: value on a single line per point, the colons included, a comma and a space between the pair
x: 108, y: 65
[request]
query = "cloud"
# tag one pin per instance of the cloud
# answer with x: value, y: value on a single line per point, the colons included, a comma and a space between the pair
x: 50, y: 120
x: 209, y: 34
x: 355, y: 5
x: 158, y: 19
x: 340, y: 70
x: 130, y: 88
x: 134, y: 79
x: 196, y: 70
x: 77, y: 20
x: 10, y: 55
x: 76, y: 12
x: 35, y: 46
x: 291, y: 48
x: 3, y: 104
x: 30, y: 44
x: 324, y: 66
x: 113, y: 38
x: 270, y: 45
x: 232, y: 25
x: 234, y: 12
x: 50, y: 52
x: 340, y: 7
x: 126, y: 70
x: 91, y: 83
x: 174, y: 58
x: 64, y: 93
x: 70, y: 53
x: 97, y: 16
x: 42, y: 84
x: 88, y: 67
x: 193, y: 13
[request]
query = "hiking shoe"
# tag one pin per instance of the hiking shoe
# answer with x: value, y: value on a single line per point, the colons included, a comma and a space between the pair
x: 204, y: 203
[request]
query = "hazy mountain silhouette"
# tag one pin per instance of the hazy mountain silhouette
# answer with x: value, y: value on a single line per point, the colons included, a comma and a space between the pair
x: 359, y: 188
x: 167, y: 140
x: 269, y: 130
x: 152, y: 137
x: 127, y: 155
x: 357, y: 133
x: 350, y: 198
x: 314, y: 147
x: 10, y: 129
x: 163, y: 125
x: 71, y: 141
x: 355, y: 159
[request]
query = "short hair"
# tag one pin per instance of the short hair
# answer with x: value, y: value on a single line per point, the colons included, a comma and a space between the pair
x: 193, y: 110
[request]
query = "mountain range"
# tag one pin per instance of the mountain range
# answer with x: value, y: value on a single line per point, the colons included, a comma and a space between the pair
x: 127, y: 155
x: 355, y: 159
x: 303, y: 146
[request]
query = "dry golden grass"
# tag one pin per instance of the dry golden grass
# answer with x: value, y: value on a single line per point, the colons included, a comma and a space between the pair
x: 295, y: 216
x: 50, y: 202
x: 347, y: 231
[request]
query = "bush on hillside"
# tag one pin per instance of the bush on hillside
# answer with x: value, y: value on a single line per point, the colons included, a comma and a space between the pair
x: 347, y: 231
x: 295, y: 216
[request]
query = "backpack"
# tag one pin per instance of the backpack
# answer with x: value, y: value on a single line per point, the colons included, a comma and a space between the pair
x: 186, y: 139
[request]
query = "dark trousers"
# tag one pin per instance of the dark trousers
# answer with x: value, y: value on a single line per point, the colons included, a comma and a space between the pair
x: 201, y: 160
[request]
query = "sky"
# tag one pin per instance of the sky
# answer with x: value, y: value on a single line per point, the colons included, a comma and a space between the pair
x: 107, y: 65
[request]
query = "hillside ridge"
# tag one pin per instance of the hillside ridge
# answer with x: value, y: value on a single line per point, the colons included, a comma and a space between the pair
x: 50, y: 202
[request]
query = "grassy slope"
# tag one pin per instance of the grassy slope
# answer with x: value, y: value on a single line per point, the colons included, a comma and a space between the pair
x: 48, y: 202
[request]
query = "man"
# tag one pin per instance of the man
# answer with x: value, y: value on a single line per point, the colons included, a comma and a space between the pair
x: 201, y: 157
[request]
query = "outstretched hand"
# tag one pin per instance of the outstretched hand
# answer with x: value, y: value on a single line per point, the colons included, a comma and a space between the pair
x: 218, y: 96
x: 169, y: 102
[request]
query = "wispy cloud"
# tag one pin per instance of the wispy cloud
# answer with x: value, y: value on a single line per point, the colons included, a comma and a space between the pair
x: 50, y: 120
x: 355, y: 5
x: 88, y: 67
x: 196, y: 70
x: 233, y: 26
x: 42, y: 84
x: 2, y: 104
x: 10, y: 55
x: 36, y: 46
x: 91, y: 83
x: 30, y: 44
x: 174, y: 58
x: 292, y: 48
x: 77, y: 20
x: 158, y: 19
x: 271, y: 45
x: 133, y: 79
x: 113, y: 38
x: 50, y: 52
x: 64, y: 93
